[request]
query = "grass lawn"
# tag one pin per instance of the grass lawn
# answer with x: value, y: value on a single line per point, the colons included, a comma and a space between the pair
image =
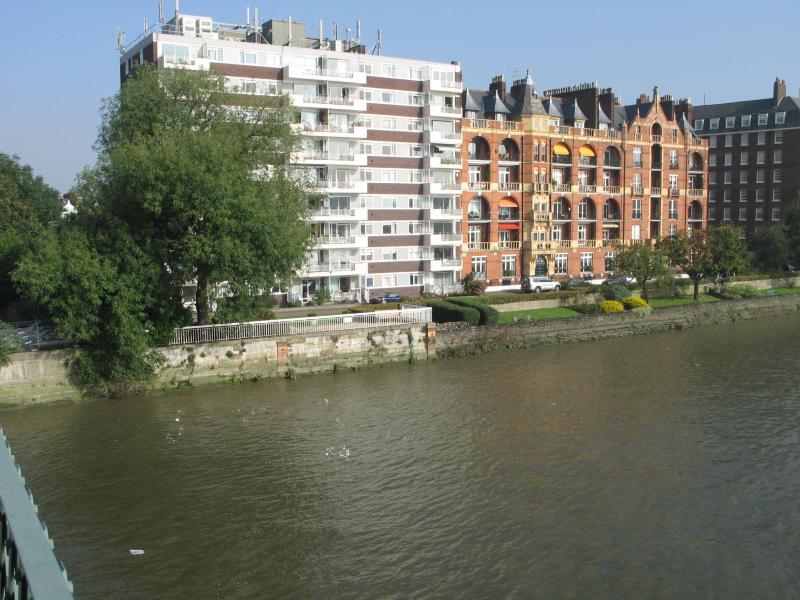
x: 784, y: 291
x: 538, y: 314
x: 662, y: 302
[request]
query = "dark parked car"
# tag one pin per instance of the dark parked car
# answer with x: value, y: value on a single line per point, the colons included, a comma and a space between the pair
x: 623, y: 281
x: 391, y: 298
x: 571, y: 284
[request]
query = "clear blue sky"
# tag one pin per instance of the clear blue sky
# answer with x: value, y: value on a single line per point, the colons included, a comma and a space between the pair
x: 59, y: 59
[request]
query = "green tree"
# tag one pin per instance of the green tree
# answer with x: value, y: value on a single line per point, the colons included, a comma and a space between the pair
x: 202, y: 186
x: 691, y: 253
x: 727, y: 252
x: 791, y: 226
x: 769, y: 247
x: 43, y: 200
x: 647, y: 264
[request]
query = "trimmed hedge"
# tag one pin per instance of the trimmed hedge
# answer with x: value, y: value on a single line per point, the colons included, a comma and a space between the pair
x: 368, y: 308
x: 611, y: 306
x: 634, y: 302
x: 521, y: 297
x: 447, y: 312
x: 489, y: 315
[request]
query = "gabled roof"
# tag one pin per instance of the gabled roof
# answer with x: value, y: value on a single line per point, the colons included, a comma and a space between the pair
x: 552, y: 107
x: 573, y: 112
x: 495, y: 105
x: 604, y: 118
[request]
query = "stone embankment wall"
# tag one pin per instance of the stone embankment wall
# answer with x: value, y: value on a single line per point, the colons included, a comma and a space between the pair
x: 460, y: 339
x: 42, y: 377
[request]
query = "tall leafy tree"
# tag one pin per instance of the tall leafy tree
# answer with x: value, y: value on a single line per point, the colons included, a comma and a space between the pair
x: 648, y: 264
x: 692, y: 254
x: 769, y: 247
x: 727, y: 251
x: 791, y: 227
x: 203, y: 185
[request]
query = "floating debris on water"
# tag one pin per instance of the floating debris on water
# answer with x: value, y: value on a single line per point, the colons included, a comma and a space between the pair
x: 136, y: 551
x: 343, y: 452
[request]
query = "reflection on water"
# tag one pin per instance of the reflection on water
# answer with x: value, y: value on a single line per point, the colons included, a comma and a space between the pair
x: 662, y: 466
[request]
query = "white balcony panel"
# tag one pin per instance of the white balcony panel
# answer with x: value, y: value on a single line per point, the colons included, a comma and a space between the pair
x: 303, y: 74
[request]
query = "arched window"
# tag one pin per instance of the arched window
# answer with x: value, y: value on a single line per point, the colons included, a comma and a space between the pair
x: 478, y: 149
x: 586, y: 209
x: 611, y: 210
x: 611, y: 157
x: 477, y: 210
x: 540, y: 266
x: 508, y: 150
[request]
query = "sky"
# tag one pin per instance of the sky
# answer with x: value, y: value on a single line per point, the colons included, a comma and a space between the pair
x: 59, y: 58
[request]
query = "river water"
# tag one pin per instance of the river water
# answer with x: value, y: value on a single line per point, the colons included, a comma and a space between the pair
x: 663, y: 466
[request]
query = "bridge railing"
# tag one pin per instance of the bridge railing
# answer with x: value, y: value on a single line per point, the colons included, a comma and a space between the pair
x: 28, y: 568
x: 283, y: 327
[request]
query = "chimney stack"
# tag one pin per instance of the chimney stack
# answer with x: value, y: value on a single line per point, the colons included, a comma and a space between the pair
x: 778, y: 91
x: 498, y: 85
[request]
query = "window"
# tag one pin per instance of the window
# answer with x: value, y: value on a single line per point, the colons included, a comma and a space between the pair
x: 776, y: 175
x: 728, y: 159
x: 389, y: 254
x: 759, y: 213
x: 586, y: 262
x: 730, y: 122
x: 387, y: 97
x: 673, y: 158
x: 672, y: 230
x: 776, y: 214
x: 698, y: 124
x: 712, y: 195
x: 763, y: 118
x: 415, y: 279
x: 555, y: 234
x: 760, y: 195
x: 776, y: 194
x: 389, y: 228
x: 760, y: 157
x: 214, y: 54
x: 712, y: 159
x: 637, y: 157
x: 712, y: 141
x: 636, y: 232
x: 778, y: 137
x: 762, y: 138
x: 561, y: 264
x: 728, y: 140
x: 714, y: 123
x: 673, y: 183
x: 636, y: 212
x: 728, y: 178
x: 743, y: 158
x: 389, y: 281
x: 746, y: 120
x: 175, y: 54
x: 509, y: 265
x: 742, y: 176
x: 712, y: 178
x: 780, y: 118
x: 743, y: 214
x: 726, y: 196
x: 247, y: 58
x: 366, y: 254
x: 673, y: 209
x: 609, y: 260
x: 742, y: 195
x: 712, y: 213
x: 760, y: 176
x: 744, y: 139
x: 479, y: 266
x: 370, y: 281
x: 726, y: 214
x: 777, y: 157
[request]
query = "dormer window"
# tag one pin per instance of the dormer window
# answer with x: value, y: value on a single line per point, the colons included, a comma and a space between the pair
x: 499, y: 117
x: 580, y: 124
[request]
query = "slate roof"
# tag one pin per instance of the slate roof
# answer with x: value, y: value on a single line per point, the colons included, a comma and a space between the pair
x: 789, y: 104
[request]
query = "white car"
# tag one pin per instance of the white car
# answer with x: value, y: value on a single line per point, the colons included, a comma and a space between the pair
x: 543, y: 284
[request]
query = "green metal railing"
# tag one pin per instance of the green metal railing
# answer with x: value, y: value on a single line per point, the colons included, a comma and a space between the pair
x: 29, y: 569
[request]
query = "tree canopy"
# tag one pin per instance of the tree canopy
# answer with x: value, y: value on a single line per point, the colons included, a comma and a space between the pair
x: 648, y: 264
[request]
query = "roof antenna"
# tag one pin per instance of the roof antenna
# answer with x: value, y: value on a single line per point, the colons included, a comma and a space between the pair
x: 358, y: 31
x: 248, y: 18
x: 290, y: 31
x: 376, y: 49
x: 146, y: 27
x: 347, y: 34
x: 177, y: 7
x: 321, y: 33
x: 256, y: 24
x: 120, y: 40
x: 161, y: 11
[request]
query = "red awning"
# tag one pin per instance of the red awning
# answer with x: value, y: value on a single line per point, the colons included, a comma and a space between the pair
x: 508, y: 226
x: 508, y: 203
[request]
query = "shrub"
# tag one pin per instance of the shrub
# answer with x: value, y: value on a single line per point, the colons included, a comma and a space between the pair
x: 242, y: 308
x: 447, y: 312
x: 586, y: 309
x: 614, y: 292
x: 366, y: 308
x: 8, y: 343
x: 489, y: 315
x: 473, y: 285
x: 634, y: 302
x: 642, y: 311
x: 611, y: 306
x: 745, y: 291
x: 320, y: 296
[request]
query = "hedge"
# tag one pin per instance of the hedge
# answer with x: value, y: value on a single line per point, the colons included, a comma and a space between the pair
x: 489, y: 315
x: 611, y: 306
x: 634, y: 302
x: 520, y: 297
x: 446, y: 312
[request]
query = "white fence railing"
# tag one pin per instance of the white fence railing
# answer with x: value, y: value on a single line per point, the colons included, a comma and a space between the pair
x: 283, y: 327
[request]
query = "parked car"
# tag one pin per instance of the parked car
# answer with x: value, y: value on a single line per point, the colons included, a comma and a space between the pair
x: 623, y: 281
x: 389, y: 297
x: 576, y: 283
x: 543, y: 284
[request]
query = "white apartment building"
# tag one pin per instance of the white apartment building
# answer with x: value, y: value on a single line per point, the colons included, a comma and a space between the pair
x: 381, y: 140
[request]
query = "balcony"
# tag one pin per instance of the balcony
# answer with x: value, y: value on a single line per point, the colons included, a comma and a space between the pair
x: 331, y: 158
x: 560, y: 188
x: 335, y: 268
x: 542, y: 216
x: 321, y: 74
x: 477, y: 186
x: 445, y: 264
x: 328, y: 130
x: 508, y: 245
x: 492, y: 124
x: 482, y: 216
x: 674, y: 192
x: 443, y: 239
x: 587, y: 161
x: 322, y: 102
x: 442, y: 214
x: 560, y: 159
x: 435, y: 110
x: 442, y: 137
x: 696, y: 192
x: 613, y: 190
x: 478, y: 157
x: 339, y: 186
x: 336, y: 241
x: 338, y: 214
x: 439, y: 85
x: 477, y: 247
x: 444, y: 162
x: 443, y: 187
x: 587, y: 189
x: 637, y: 190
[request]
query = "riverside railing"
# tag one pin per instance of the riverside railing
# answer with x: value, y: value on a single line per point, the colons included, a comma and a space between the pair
x: 299, y: 326
x: 28, y: 568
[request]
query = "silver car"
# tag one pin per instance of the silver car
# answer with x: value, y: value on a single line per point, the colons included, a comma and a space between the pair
x: 543, y: 284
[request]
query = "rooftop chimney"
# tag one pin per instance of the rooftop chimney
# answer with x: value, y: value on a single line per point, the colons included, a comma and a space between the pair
x: 498, y: 85
x: 778, y: 91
